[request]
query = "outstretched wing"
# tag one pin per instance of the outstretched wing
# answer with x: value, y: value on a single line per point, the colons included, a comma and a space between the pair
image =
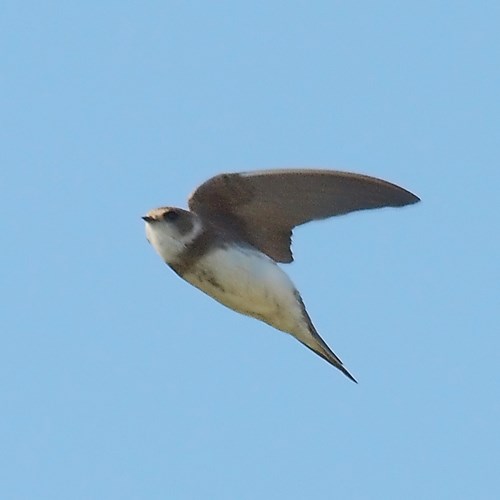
x: 264, y: 206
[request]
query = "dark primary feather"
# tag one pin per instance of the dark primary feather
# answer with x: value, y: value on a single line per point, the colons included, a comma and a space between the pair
x: 264, y: 206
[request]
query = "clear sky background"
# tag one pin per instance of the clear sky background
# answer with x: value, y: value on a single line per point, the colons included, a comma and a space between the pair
x: 119, y: 380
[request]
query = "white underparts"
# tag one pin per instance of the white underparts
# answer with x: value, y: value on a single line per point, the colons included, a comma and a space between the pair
x: 251, y: 283
x: 242, y: 278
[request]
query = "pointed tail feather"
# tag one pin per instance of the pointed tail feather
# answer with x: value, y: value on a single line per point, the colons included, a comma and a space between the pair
x: 328, y: 355
x: 317, y: 345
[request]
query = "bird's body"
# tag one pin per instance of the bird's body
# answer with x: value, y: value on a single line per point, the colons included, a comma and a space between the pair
x: 215, y: 248
x: 248, y: 282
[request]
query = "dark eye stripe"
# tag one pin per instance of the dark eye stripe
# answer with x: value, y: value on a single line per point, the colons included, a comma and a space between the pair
x: 170, y: 215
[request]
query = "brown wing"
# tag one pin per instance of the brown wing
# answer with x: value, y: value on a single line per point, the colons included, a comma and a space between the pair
x: 264, y: 206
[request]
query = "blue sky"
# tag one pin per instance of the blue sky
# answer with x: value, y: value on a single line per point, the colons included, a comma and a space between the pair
x: 120, y: 381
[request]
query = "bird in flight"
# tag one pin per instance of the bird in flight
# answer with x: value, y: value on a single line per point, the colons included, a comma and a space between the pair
x: 239, y: 227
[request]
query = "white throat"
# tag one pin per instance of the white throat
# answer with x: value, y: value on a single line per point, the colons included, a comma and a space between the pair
x: 168, y: 242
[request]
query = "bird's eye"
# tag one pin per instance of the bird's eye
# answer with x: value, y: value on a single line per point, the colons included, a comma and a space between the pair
x: 171, y: 215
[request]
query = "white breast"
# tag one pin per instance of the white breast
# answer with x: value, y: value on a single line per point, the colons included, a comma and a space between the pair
x: 251, y: 283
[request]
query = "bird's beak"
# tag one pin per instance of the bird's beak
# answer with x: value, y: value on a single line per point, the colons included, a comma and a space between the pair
x: 147, y: 218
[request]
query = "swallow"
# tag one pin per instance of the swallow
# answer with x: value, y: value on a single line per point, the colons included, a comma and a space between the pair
x: 239, y: 227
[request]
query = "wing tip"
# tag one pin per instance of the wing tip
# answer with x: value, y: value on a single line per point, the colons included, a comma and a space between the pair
x: 412, y: 198
x: 403, y: 197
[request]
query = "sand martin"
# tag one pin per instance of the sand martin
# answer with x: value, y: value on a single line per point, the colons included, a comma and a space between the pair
x: 239, y: 227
